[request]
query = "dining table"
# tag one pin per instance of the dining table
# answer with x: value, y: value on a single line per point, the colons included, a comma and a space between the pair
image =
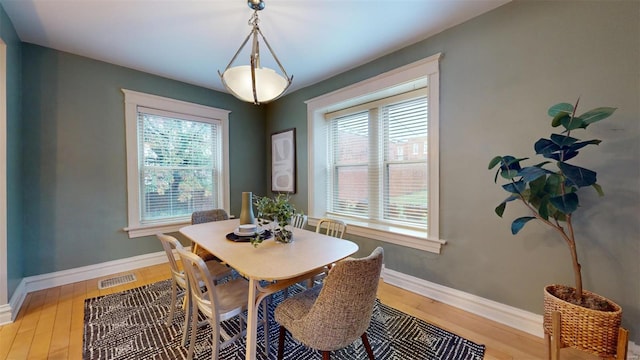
x: 270, y: 266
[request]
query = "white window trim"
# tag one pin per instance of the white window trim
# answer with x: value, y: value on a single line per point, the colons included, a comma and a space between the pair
x: 317, y: 107
x: 132, y: 100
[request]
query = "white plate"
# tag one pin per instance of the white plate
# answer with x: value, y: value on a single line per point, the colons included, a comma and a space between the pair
x: 240, y: 233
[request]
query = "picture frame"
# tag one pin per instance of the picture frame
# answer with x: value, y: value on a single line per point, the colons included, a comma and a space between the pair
x: 283, y: 161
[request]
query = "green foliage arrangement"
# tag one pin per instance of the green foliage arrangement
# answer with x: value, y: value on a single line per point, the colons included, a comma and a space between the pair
x: 552, y: 195
x: 277, y: 212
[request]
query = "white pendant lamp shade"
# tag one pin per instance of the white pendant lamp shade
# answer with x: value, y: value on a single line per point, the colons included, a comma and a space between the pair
x: 269, y: 84
x: 254, y: 83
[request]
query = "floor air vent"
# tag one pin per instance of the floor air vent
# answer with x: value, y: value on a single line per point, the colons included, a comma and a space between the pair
x: 115, y: 281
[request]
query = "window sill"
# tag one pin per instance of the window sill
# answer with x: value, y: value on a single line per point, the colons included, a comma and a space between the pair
x: 146, y: 230
x: 395, y: 235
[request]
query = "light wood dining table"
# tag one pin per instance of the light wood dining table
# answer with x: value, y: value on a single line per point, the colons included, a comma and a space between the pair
x: 271, y: 266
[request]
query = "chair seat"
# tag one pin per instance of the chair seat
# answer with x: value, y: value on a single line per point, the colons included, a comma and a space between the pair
x: 295, y: 308
x: 233, y: 295
x: 217, y: 270
x: 204, y: 254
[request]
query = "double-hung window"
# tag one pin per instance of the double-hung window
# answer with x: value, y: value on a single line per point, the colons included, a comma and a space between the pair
x: 374, y: 156
x: 371, y: 178
x: 177, y: 159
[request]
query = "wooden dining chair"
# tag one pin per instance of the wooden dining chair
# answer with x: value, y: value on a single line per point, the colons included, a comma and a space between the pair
x: 299, y: 221
x: 331, y: 316
x: 205, y: 216
x: 217, y: 303
x: 331, y: 227
x: 179, y: 280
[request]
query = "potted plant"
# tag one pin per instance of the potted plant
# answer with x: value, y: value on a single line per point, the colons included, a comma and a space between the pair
x: 551, y: 196
x: 275, y: 212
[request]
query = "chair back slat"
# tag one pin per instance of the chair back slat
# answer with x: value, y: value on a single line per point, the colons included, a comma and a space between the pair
x: 299, y: 221
x: 168, y: 244
x: 332, y: 227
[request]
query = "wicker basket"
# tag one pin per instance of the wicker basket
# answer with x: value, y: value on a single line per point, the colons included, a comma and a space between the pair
x: 592, y: 331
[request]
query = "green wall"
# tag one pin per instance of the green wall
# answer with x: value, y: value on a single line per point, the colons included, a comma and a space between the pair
x: 15, y: 249
x: 75, y: 195
x: 499, y: 74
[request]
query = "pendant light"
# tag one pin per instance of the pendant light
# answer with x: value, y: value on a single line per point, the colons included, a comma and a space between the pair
x: 252, y: 82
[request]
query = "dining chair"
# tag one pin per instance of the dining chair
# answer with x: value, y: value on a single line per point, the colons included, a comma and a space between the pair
x: 331, y: 227
x: 333, y: 315
x: 299, y: 221
x: 179, y: 280
x: 217, y: 303
x: 204, y: 216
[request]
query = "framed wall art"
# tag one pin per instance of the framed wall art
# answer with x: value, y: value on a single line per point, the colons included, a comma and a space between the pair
x: 283, y: 161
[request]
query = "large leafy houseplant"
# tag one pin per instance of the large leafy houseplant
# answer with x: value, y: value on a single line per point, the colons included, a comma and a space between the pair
x: 552, y: 195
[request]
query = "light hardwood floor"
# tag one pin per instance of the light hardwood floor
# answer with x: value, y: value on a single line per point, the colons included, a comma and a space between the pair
x: 50, y: 322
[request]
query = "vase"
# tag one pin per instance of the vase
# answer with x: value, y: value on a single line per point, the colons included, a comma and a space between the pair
x: 283, y: 234
x: 246, y: 213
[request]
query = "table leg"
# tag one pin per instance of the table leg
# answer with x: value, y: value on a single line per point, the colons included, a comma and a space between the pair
x: 252, y: 319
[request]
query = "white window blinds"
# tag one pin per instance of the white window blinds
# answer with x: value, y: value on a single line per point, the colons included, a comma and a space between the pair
x: 179, y: 164
x: 375, y: 172
x: 405, y: 176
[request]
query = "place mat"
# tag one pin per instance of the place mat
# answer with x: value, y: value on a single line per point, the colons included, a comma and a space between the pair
x: 234, y: 237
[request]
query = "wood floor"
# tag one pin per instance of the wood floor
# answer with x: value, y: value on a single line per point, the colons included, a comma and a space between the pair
x: 50, y: 322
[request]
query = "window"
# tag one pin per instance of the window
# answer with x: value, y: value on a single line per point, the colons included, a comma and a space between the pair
x: 365, y: 166
x: 370, y: 178
x: 177, y: 159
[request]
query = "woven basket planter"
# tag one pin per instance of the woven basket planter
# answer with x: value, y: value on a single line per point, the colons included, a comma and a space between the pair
x: 592, y: 331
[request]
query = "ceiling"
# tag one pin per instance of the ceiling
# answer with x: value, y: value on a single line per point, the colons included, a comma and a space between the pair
x: 190, y: 40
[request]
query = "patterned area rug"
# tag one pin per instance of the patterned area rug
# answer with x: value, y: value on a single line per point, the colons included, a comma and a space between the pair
x: 130, y: 325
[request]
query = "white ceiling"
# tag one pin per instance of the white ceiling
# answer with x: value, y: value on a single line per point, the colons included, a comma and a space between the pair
x: 190, y: 40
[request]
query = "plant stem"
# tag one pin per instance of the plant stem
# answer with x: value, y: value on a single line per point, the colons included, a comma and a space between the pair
x: 570, y: 240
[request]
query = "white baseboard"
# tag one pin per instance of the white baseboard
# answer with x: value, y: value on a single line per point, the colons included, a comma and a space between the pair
x: 513, y: 317
x: 8, y: 312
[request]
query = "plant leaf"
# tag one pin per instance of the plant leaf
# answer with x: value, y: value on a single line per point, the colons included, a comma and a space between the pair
x: 515, y: 187
x: 598, y: 189
x: 495, y: 161
x: 531, y: 173
x: 500, y: 208
x: 562, y: 140
x: 545, y: 146
x: 596, y: 114
x: 558, y: 108
x: 509, y: 174
x: 543, y: 209
x: 572, y: 123
x: 580, y: 145
x: 559, y: 118
x: 510, y: 162
x: 519, y: 223
x: 553, y: 184
x: 579, y: 176
x: 566, y: 204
